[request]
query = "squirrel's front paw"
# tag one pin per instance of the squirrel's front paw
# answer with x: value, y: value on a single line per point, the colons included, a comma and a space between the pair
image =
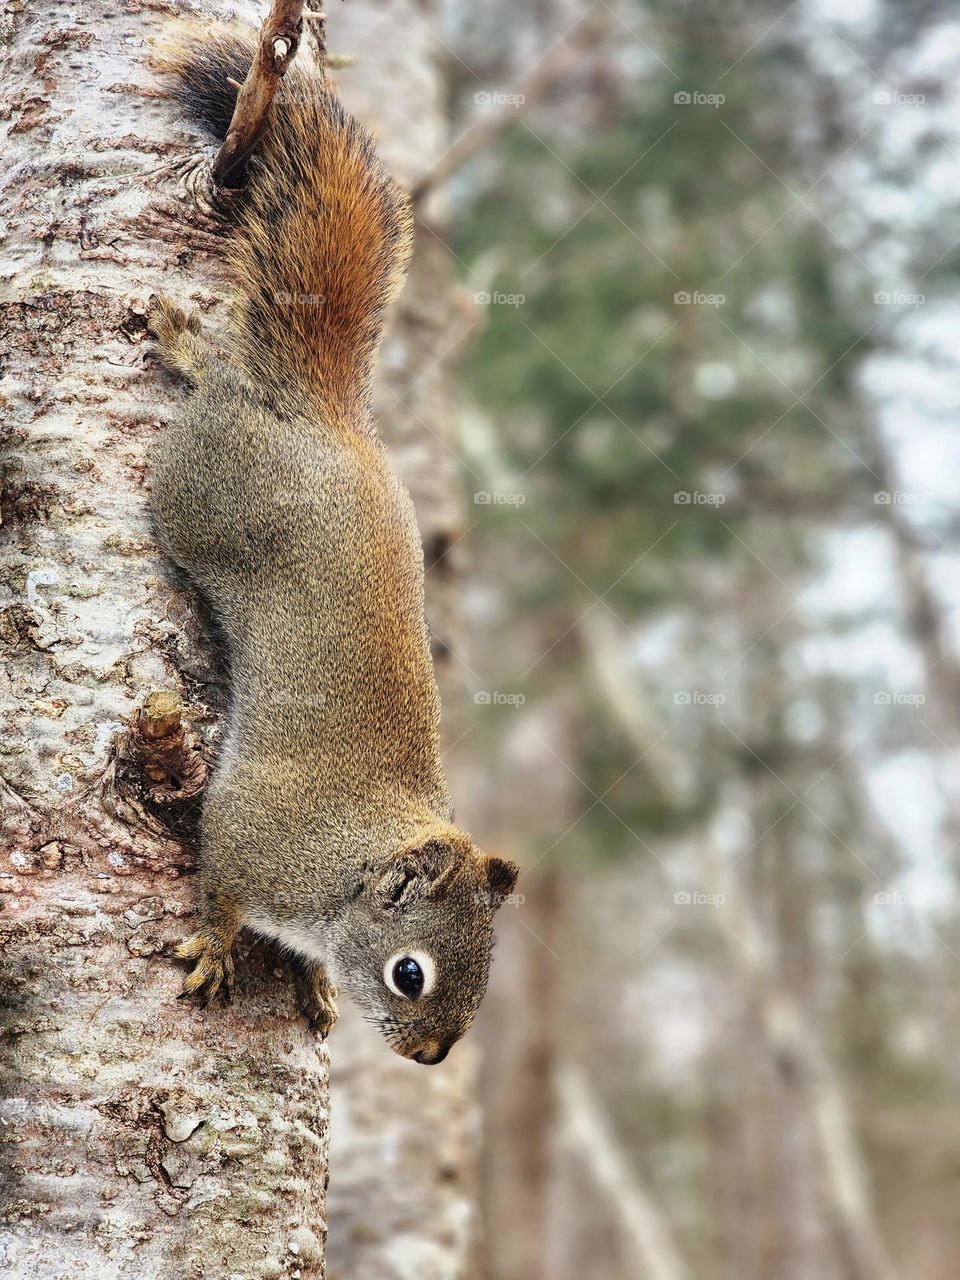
x: 178, y: 343
x: 166, y: 321
x: 318, y: 997
x: 213, y: 971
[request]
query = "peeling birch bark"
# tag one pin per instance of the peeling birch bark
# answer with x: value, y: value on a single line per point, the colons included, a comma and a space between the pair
x: 139, y: 1137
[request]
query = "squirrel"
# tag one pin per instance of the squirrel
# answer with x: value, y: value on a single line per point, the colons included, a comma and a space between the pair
x: 328, y: 825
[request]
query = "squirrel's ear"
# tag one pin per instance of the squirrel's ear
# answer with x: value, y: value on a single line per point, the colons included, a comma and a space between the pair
x: 423, y: 869
x: 500, y: 876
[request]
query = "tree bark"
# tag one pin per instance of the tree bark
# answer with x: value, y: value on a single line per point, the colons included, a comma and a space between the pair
x: 141, y: 1136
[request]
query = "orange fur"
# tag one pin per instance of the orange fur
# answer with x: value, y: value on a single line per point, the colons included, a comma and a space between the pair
x: 324, y: 234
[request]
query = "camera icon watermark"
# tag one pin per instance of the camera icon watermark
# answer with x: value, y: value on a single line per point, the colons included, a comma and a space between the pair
x: 496, y: 298
x: 897, y: 898
x: 697, y: 498
x: 694, y: 98
x: 497, y: 698
x: 497, y: 98
x: 697, y: 298
x: 494, y: 900
x: 299, y: 299
x: 694, y: 898
x: 894, y: 98
x: 698, y: 698
x: 498, y: 498
x: 894, y: 498
x: 897, y: 698
x: 899, y: 298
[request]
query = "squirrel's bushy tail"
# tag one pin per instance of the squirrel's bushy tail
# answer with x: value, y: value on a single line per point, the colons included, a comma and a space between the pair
x: 324, y: 233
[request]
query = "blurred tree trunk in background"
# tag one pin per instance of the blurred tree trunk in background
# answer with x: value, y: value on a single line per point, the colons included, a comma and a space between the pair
x: 404, y: 1167
x: 798, y: 1243
x: 820, y: 1181
x: 521, y: 1032
x: 141, y: 1137
x: 521, y: 1117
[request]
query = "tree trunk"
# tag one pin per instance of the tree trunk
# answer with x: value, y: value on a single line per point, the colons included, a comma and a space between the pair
x: 143, y: 1138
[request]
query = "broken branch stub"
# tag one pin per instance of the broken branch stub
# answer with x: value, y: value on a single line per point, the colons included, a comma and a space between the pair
x: 279, y: 41
x: 160, y: 765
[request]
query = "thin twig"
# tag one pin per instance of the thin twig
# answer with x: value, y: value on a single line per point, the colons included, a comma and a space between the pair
x: 528, y: 93
x: 279, y: 41
x: 601, y: 1155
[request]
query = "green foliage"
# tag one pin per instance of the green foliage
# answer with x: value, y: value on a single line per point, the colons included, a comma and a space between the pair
x: 630, y: 399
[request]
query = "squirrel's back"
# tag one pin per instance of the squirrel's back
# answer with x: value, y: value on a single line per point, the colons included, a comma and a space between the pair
x: 324, y: 234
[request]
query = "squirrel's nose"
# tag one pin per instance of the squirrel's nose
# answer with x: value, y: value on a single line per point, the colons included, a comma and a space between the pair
x: 431, y: 1053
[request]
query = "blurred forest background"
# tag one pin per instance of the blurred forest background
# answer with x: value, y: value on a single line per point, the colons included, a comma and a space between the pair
x: 708, y: 255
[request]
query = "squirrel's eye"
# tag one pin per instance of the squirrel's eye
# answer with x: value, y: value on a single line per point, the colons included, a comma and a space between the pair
x: 408, y: 977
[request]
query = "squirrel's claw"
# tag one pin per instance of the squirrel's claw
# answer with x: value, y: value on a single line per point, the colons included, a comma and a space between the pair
x: 213, y: 972
x: 318, y: 998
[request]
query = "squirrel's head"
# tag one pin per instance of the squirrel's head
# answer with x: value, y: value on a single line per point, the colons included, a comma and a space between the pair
x: 413, y: 948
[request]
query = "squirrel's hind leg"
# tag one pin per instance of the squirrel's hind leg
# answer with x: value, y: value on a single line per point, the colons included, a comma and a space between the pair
x: 212, y: 948
x: 178, y: 346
